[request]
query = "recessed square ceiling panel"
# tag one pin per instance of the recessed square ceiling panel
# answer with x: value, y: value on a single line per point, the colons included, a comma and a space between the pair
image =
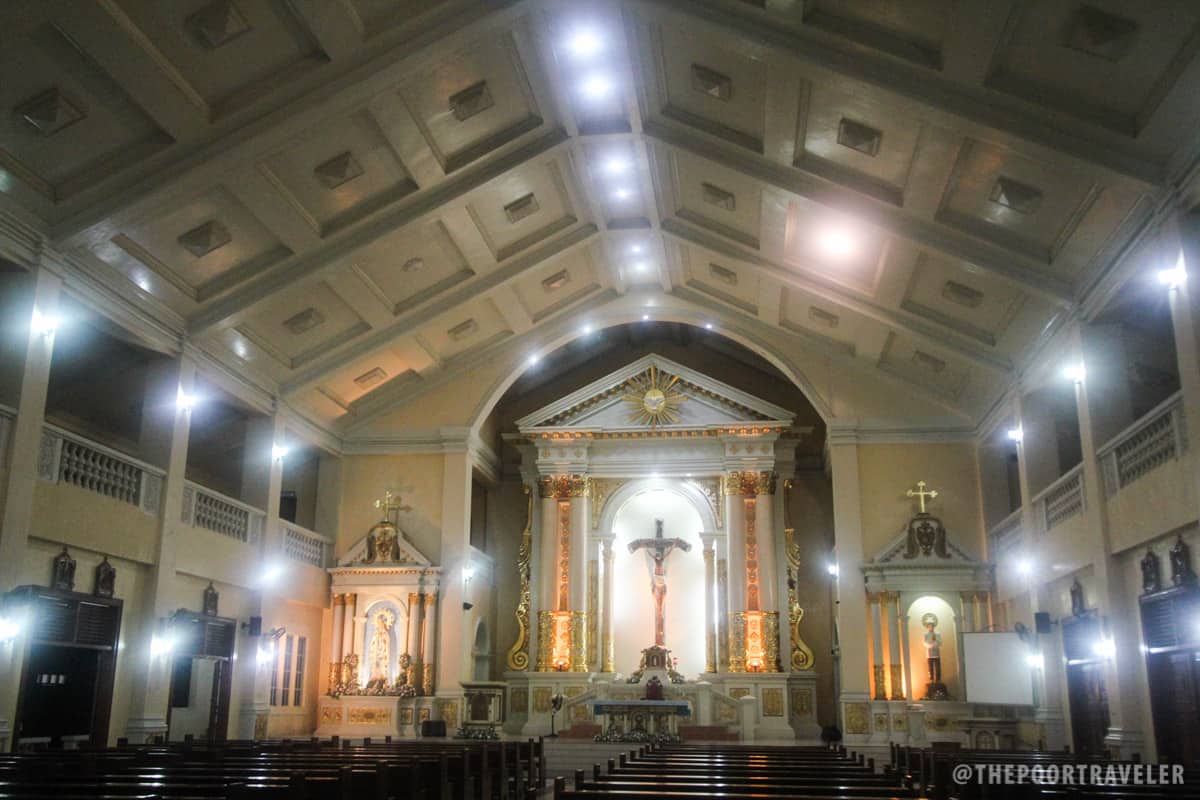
x: 469, y: 327
x: 1015, y: 201
x: 709, y: 87
x: 302, y: 323
x: 858, y: 143
x: 924, y: 365
x: 972, y: 303
x: 373, y: 17
x: 807, y: 314
x: 716, y: 198
x: 1107, y: 62
x: 409, y: 266
x: 561, y: 283
x: 913, y: 30
x: 474, y: 102
x: 67, y: 123
x: 339, y: 172
x: 221, y: 54
x: 834, y: 247
x: 202, y: 247
x: 721, y: 278
x: 523, y: 208
x: 356, y: 379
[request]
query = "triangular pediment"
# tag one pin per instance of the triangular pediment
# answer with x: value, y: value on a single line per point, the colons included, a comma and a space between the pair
x: 375, y: 550
x: 692, y: 400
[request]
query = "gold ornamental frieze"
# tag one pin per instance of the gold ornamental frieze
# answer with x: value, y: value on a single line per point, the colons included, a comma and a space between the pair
x: 563, y: 487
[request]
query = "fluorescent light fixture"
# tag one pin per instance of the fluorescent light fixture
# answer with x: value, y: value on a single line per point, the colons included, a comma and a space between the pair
x: 1075, y: 372
x: 1016, y: 434
x: 584, y: 43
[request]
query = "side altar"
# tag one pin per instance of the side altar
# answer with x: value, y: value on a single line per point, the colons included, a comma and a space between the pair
x: 382, y: 652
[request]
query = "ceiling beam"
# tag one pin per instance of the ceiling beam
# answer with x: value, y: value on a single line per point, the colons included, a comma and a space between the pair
x: 327, y: 257
x: 1011, y: 266
x: 433, y: 308
x: 899, y: 320
x: 977, y: 105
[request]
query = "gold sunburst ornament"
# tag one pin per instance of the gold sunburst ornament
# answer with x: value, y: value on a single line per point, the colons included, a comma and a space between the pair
x: 653, y: 398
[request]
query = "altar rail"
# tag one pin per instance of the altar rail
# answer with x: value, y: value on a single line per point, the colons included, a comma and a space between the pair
x: 1061, y: 500
x: 301, y: 544
x: 213, y: 511
x: 65, y: 457
x: 1154, y: 440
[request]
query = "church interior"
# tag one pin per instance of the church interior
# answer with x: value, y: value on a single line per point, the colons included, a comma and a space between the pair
x: 808, y: 383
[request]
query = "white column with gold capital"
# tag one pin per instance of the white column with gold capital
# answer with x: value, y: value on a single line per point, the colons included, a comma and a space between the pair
x: 709, y: 541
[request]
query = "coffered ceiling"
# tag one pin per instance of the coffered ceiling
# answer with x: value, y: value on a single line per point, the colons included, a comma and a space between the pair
x: 336, y: 196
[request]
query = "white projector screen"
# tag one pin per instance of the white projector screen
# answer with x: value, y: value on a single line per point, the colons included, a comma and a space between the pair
x: 997, y: 669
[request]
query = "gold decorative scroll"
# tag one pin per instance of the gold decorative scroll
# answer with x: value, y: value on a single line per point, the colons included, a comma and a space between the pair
x: 602, y: 488
x: 593, y: 600
x: 802, y: 656
x: 518, y: 654
x: 564, y: 555
x: 563, y: 487
x: 752, y: 598
x: 712, y: 491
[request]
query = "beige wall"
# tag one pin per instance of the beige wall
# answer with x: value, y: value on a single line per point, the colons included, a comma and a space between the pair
x: 887, y: 471
x: 79, y: 518
x: 417, y: 478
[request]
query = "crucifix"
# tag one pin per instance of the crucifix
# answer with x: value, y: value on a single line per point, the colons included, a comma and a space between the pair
x: 658, y: 549
x: 391, y: 504
x: 922, y: 495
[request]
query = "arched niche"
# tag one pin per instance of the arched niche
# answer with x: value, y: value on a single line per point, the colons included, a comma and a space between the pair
x: 683, y: 487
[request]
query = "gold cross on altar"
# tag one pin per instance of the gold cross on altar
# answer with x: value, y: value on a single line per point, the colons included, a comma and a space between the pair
x: 922, y: 495
x: 390, y: 503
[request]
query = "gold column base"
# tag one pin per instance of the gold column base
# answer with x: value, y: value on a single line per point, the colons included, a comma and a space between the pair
x: 737, y: 641
x: 545, y: 641
x: 897, y: 682
x: 770, y: 626
x: 880, y: 687
x: 427, y: 680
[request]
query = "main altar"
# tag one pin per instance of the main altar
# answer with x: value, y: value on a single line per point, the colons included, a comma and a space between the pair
x: 657, y: 553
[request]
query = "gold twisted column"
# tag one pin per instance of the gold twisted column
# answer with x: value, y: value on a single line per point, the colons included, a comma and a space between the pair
x: 518, y: 654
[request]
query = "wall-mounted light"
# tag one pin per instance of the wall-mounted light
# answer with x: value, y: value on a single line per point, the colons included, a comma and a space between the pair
x: 832, y: 569
x: 1104, y: 647
x: 271, y: 574
x: 533, y: 360
x: 265, y: 655
x: 43, y: 324
x: 1015, y: 434
x: 185, y: 401
x: 279, y: 451
x: 10, y: 629
x: 162, y: 646
x: 1075, y: 372
x: 1035, y: 661
x: 468, y: 572
x: 1024, y: 567
x: 1174, y: 277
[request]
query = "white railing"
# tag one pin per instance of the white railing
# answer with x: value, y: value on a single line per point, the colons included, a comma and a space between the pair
x: 1061, y: 500
x: 1005, y: 536
x: 1155, y: 439
x: 213, y: 511
x: 65, y: 457
x: 301, y: 544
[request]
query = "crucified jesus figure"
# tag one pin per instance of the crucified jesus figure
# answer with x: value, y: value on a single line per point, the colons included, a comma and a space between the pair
x: 658, y: 549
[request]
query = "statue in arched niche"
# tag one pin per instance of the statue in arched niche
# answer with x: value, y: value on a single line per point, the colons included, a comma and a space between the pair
x: 379, y: 651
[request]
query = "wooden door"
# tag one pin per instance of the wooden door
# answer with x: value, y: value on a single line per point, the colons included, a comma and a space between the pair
x: 1089, y: 706
x: 1175, y: 702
